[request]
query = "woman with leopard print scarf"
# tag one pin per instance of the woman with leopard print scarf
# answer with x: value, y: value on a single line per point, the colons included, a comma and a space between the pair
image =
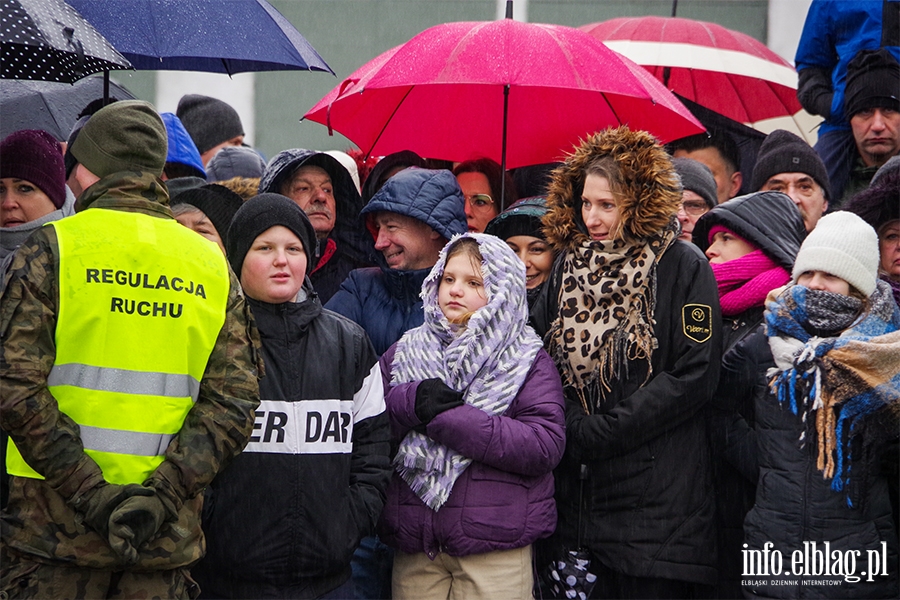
x: 631, y: 318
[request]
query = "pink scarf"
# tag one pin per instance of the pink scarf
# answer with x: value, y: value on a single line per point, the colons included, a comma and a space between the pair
x: 745, y: 281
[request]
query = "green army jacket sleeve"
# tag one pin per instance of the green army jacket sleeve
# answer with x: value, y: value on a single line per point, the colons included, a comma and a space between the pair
x: 215, y: 430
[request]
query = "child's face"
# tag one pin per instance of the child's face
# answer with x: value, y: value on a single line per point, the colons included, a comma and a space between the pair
x: 461, y: 291
x: 274, y: 267
x: 820, y: 280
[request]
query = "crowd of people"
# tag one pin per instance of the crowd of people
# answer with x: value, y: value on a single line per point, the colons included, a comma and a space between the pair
x: 640, y: 372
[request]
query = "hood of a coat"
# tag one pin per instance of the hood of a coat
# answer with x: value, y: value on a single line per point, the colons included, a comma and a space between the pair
x: 350, y: 239
x: 182, y: 149
x: 430, y: 196
x: 404, y: 158
x: 768, y: 220
x: 651, y: 192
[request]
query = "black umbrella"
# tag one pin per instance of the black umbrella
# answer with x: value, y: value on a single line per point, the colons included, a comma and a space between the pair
x: 748, y: 140
x: 48, y: 105
x: 48, y: 40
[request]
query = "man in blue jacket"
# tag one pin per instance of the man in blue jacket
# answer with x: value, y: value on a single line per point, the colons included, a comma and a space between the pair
x: 410, y: 218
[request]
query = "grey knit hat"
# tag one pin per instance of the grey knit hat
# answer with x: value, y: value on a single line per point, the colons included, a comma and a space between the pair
x: 235, y: 161
x: 128, y: 135
x: 209, y: 120
x: 784, y: 152
x: 696, y: 177
x: 843, y: 245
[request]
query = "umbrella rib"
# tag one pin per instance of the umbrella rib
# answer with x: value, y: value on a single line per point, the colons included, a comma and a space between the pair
x: 388, y: 121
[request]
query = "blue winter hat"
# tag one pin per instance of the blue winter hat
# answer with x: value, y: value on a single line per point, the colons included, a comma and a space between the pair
x: 182, y: 149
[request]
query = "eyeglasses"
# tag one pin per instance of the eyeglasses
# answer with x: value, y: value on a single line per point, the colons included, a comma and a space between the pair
x: 479, y: 201
x: 695, y: 208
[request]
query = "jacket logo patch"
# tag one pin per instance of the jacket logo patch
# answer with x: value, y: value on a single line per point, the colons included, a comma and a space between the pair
x: 697, y: 322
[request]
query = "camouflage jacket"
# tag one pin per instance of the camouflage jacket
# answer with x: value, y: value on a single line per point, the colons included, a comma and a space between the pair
x: 40, y: 520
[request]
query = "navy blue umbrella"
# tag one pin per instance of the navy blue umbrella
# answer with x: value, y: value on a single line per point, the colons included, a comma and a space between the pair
x: 216, y: 36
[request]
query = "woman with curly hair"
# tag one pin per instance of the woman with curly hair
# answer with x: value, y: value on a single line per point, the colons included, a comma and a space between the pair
x: 631, y: 318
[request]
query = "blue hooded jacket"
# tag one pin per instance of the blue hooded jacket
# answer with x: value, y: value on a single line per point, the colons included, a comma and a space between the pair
x: 182, y: 149
x: 385, y: 301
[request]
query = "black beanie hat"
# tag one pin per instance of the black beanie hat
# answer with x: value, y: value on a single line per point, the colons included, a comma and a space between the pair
x: 696, y: 177
x: 218, y: 203
x: 784, y: 152
x: 873, y: 81
x: 260, y: 213
x: 209, y: 121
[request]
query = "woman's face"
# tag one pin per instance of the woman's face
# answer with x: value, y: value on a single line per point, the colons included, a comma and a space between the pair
x: 481, y: 206
x: 461, y: 291
x: 536, y: 255
x: 889, y: 244
x: 820, y: 280
x: 196, y: 220
x: 599, y: 209
x: 275, y: 266
x: 22, y: 202
x: 726, y: 246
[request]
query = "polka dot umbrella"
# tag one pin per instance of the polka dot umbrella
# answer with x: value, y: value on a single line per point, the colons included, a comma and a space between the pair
x: 47, y: 40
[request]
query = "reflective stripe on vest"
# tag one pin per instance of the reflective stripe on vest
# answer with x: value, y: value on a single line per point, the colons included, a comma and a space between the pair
x: 140, y: 309
x: 125, y: 381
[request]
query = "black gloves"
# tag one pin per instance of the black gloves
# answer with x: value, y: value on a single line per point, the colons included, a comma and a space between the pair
x: 433, y: 397
x: 814, y: 91
x: 134, y: 522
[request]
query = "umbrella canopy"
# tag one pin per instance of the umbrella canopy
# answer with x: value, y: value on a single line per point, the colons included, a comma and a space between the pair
x: 53, y: 107
x: 449, y: 91
x: 48, y: 40
x: 216, y: 36
x: 724, y: 70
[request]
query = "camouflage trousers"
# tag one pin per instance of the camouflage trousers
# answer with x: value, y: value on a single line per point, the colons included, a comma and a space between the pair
x: 24, y: 578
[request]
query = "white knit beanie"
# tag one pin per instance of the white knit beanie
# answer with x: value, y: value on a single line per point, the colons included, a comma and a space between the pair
x: 843, y: 245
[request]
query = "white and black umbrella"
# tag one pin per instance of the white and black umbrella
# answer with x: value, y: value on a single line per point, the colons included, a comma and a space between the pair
x: 48, y: 40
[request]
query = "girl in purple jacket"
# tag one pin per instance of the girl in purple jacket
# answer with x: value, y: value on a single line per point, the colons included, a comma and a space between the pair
x: 476, y: 406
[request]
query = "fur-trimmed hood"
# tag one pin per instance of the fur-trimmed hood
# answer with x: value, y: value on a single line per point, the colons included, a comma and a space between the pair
x: 650, y: 196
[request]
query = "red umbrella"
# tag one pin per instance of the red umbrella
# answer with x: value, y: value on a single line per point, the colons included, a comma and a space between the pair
x: 724, y: 70
x: 449, y: 92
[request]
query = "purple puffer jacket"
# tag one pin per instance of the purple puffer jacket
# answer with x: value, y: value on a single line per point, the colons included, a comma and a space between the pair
x: 504, y: 499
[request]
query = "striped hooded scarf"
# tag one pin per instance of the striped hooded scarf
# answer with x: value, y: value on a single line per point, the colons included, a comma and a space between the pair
x: 840, y: 382
x: 488, y: 360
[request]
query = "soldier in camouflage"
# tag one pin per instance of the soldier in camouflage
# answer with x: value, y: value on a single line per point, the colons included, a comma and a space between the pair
x: 73, y: 534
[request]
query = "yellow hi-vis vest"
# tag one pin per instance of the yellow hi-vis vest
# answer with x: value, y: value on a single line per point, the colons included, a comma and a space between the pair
x: 141, y: 302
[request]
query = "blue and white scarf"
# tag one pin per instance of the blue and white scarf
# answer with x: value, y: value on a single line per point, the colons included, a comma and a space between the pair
x: 842, y: 379
x: 488, y: 360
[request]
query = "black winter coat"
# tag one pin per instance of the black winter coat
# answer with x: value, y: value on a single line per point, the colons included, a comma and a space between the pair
x: 288, y: 513
x: 794, y: 504
x: 648, y: 505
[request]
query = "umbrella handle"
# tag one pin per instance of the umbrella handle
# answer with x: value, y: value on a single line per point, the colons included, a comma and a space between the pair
x: 77, y: 46
x: 344, y: 84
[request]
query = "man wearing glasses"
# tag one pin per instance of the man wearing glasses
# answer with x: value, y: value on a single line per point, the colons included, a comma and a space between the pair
x: 699, y: 195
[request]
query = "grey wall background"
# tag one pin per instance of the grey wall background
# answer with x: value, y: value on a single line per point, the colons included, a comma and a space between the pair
x: 347, y: 33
